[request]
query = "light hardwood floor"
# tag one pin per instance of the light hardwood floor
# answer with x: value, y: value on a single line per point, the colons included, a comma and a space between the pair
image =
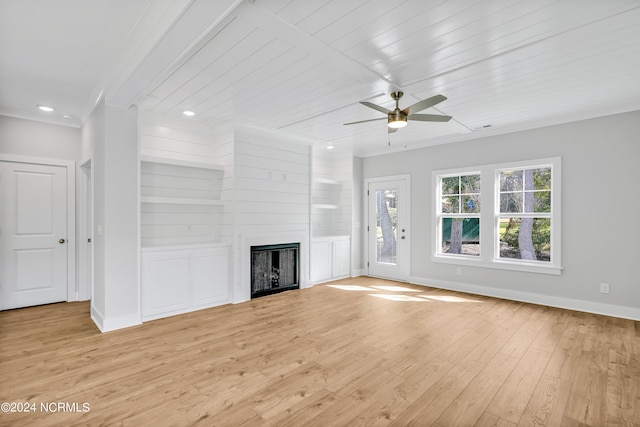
x: 360, y: 351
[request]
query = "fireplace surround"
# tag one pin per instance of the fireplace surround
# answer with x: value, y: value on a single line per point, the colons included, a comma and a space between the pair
x: 274, y: 268
x: 242, y: 291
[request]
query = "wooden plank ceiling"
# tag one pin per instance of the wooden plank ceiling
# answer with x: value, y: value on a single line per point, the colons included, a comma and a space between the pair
x: 303, y: 66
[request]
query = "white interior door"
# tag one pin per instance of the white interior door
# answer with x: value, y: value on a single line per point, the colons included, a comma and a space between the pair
x: 388, y: 228
x: 33, y: 234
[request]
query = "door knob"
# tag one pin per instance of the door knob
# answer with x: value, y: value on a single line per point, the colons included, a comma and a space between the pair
x: 61, y: 241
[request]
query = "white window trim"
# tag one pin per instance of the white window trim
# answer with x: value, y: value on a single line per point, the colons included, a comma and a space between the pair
x: 489, y: 195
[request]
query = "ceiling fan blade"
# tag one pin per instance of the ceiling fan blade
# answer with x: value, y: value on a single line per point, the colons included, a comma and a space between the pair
x: 375, y: 107
x: 392, y: 130
x: 425, y: 103
x: 364, y: 121
x: 429, y: 117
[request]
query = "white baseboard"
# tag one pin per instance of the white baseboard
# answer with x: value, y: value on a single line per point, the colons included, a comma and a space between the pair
x: 112, y: 324
x: 97, y: 317
x: 551, y: 301
x: 357, y: 273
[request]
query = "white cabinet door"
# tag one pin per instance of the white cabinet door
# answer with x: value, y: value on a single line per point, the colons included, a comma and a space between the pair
x: 209, y: 276
x: 341, y: 261
x: 320, y: 260
x: 330, y: 258
x: 165, y: 282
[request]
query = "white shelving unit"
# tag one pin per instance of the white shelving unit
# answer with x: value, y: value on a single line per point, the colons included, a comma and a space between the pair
x: 184, y: 265
x: 178, y: 162
x: 330, y: 215
x: 180, y: 202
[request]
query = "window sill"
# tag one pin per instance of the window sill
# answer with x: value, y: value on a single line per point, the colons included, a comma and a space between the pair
x: 496, y: 264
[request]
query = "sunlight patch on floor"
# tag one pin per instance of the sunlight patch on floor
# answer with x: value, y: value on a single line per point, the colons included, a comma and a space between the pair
x: 395, y: 289
x: 350, y: 287
x: 399, y: 297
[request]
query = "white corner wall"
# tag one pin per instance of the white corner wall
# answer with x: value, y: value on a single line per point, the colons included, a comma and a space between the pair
x: 600, y: 228
x: 113, y: 134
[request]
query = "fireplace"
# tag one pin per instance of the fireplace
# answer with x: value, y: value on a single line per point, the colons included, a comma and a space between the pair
x: 274, y: 268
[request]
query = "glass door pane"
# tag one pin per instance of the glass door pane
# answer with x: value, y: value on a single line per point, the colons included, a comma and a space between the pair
x: 387, y: 226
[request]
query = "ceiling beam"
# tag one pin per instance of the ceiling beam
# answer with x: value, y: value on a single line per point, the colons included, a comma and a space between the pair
x: 194, y: 25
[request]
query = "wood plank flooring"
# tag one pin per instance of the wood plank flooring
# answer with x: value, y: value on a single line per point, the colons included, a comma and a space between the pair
x: 359, y: 351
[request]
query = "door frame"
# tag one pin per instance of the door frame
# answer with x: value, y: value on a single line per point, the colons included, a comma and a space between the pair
x: 85, y: 231
x: 70, y: 165
x: 367, y: 182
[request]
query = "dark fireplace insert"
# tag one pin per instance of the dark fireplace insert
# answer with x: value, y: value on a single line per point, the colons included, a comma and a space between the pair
x: 274, y: 268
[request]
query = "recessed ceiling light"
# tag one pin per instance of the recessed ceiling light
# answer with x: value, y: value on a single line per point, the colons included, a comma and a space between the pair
x: 68, y: 116
x: 188, y: 113
x: 330, y: 147
x: 45, y: 108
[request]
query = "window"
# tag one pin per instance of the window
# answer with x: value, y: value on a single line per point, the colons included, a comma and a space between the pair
x: 459, y: 215
x: 517, y: 207
x: 524, y: 217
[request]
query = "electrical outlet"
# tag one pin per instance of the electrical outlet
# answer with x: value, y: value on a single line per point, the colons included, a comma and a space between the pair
x: 604, y: 288
x: 459, y: 271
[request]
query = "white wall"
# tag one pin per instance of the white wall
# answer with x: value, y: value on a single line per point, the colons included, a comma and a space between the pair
x: 357, y: 240
x: 600, y: 229
x: 36, y: 139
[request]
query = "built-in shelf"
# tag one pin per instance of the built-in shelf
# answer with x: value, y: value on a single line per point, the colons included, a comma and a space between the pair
x: 177, y: 162
x: 324, y: 206
x: 180, y: 201
x: 327, y: 181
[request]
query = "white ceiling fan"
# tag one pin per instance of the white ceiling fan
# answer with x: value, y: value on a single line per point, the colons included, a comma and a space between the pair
x: 398, y: 118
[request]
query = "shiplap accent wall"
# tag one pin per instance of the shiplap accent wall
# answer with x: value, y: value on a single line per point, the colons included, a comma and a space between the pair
x: 225, y: 146
x: 271, y: 184
x: 178, y: 141
x: 332, y: 188
x: 271, y: 187
x: 180, y: 223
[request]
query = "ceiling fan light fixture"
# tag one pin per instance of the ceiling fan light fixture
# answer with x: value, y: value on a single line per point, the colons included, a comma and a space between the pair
x: 397, y: 122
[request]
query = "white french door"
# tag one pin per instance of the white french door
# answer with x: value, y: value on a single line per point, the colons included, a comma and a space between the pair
x: 388, y: 227
x: 33, y: 234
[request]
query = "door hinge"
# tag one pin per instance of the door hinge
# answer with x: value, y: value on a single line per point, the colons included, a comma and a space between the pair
x: 367, y: 263
x: 367, y: 192
x: 367, y: 228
